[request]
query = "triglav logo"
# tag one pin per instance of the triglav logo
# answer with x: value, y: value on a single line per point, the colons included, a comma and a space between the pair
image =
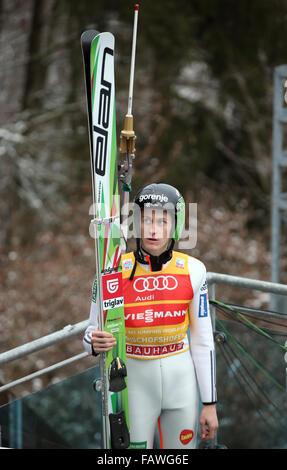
x: 112, y: 291
x: 150, y: 283
x: 112, y: 285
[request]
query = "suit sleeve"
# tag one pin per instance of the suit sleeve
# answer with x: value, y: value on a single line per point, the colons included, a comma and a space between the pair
x: 201, y: 335
x: 93, y: 322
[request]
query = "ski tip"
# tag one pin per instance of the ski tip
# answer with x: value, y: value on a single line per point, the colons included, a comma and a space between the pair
x: 137, y: 7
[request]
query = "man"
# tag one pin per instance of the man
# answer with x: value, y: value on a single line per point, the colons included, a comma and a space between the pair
x: 165, y: 292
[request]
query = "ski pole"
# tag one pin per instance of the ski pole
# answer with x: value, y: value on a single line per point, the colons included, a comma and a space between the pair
x: 132, y: 71
x: 127, y: 141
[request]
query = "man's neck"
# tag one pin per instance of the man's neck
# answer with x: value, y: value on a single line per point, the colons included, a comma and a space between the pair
x: 156, y: 261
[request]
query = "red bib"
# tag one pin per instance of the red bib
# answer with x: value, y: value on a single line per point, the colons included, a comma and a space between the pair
x: 156, y: 308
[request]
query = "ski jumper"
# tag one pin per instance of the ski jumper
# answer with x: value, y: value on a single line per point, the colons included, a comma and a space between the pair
x: 165, y: 367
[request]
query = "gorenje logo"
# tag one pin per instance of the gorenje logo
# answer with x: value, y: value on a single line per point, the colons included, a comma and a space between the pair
x: 153, y: 197
x: 150, y: 283
x: 100, y: 147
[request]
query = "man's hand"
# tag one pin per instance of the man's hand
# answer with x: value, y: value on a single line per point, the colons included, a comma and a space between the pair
x: 102, y: 341
x: 208, y: 422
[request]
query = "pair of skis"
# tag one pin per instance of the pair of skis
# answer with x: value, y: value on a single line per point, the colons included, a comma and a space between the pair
x: 109, y: 233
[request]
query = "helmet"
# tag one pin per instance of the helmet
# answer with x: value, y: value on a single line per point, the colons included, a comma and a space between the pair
x: 163, y: 196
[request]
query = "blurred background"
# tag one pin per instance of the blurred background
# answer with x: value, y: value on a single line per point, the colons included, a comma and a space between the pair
x: 203, y: 109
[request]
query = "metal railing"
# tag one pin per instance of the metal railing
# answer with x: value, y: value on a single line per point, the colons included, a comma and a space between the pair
x: 19, y: 352
x: 72, y: 330
x: 243, y: 282
x: 252, y: 284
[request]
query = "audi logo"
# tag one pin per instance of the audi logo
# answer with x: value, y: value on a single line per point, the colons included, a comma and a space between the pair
x: 150, y: 283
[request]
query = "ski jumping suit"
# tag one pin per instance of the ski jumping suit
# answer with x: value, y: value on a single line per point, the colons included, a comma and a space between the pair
x: 164, y: 370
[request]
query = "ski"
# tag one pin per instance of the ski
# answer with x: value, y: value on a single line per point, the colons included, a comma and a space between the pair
x: 98, y: 58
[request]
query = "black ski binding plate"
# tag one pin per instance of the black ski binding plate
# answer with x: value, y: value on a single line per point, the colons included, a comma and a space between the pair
x: 118, y: 372
x: 120, y: 437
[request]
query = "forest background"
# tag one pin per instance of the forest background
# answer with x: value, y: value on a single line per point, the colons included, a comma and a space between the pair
x: 203, y: 110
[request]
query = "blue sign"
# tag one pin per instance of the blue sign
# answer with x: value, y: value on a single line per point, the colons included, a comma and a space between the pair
x: 203, y: 308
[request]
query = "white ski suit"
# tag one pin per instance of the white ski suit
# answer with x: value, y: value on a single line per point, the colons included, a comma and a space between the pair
x: 165, y: 368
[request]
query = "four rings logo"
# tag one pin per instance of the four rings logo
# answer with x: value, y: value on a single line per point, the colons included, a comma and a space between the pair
x: 149, y: 283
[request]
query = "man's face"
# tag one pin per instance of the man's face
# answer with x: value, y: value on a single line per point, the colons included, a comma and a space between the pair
x: 156, y: 226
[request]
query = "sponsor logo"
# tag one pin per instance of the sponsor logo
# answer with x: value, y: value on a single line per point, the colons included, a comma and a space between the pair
x: 94, y: 291
x: 150, y: 283
x: 204, y: 287
x: 138, y: 445
x: 112, y: 285
x: 101, y: 130
x: 127, y: 264
x: 179, y: 263
x: 186, y: 436
x: 153, y: 350
x: 112, y: 291
x: 153, y: 197
x: 144, y: 298
x: 203, y: 308
x: 113, y: 303
x: 149, y: 315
